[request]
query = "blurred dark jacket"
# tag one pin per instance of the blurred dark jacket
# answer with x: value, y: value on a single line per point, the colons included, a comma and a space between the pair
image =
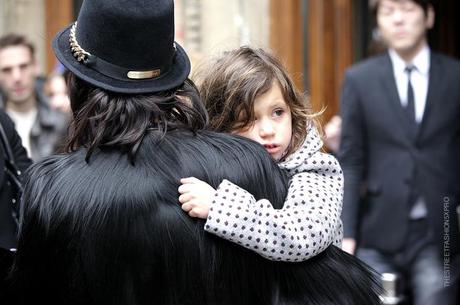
x: 8, y: 229
x: 379, y: 150
x: 49, y: 130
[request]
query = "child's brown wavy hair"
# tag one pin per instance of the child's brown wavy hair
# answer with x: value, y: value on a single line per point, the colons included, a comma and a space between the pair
x: 230, y: 85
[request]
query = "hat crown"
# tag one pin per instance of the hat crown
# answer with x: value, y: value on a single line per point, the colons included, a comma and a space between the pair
x: 124, y: 46
x: 135, y: 34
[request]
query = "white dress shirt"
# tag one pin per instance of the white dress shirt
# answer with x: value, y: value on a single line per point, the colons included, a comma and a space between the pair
x: 419, y: 80
x: 24, y: 121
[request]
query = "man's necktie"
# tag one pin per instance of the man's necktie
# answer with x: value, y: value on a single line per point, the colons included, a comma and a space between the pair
x: 410, y: 107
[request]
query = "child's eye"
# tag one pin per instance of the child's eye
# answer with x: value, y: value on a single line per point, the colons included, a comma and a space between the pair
x: 278, y: 112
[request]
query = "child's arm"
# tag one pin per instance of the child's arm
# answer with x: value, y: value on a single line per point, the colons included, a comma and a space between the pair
x: 308, y: 223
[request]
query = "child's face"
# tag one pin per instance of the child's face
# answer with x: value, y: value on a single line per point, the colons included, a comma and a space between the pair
x: 273, y: 123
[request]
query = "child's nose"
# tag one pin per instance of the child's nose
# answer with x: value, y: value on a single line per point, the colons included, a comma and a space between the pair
x: 266, y: 129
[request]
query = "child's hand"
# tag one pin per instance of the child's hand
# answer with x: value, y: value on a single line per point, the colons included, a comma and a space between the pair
x: 196, y: 197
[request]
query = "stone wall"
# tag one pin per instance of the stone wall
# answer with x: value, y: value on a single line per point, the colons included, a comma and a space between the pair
x: 207, y: 27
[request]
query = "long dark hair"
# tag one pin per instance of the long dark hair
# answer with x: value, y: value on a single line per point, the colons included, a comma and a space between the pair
x: 104, y: 119
x: 108, y: 232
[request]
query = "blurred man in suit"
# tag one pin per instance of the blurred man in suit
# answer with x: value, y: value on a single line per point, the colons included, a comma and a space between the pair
x: 400, y: 149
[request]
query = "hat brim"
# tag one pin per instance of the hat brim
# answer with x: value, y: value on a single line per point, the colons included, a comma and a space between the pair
x: 176, y: 75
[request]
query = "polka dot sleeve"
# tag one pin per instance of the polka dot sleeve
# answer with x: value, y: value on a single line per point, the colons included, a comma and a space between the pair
x: 308, y: 223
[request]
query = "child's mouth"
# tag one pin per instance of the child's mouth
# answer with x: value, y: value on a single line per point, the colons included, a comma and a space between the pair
x: 271, y: 148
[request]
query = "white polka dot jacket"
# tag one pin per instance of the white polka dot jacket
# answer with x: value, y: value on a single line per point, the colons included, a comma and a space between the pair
x: 307, y: 224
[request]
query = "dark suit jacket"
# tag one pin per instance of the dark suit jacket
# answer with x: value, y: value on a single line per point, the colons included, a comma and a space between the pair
x: 7, y: 225
x: 382, y: 160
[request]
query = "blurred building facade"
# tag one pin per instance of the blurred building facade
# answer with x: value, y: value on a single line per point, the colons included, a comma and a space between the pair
x: 316, y: 39
x: 26, y: 17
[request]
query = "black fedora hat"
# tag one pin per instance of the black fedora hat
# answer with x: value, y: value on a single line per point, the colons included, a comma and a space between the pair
x: 124, y: 46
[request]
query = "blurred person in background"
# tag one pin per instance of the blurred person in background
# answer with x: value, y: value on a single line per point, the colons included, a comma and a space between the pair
x: 332, y: 132
x: 41, y: 128
x: 400, y: 144
x: 56, y: 91
x: 13, y: 162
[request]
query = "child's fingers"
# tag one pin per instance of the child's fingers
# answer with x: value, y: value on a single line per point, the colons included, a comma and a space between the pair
x: 184, y: 198
x: 187, y: 207
x: 184, y: 188
x: 197, y: 212
x: 193, y: 213
x: 189, y: 180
